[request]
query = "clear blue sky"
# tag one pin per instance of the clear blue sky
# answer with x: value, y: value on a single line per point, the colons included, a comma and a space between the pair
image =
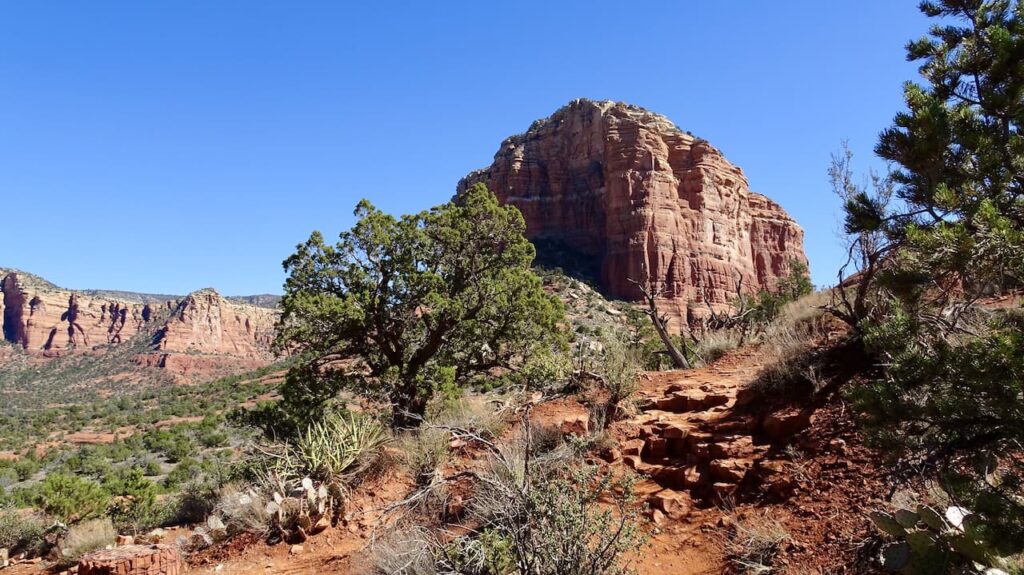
x: 168, y: 146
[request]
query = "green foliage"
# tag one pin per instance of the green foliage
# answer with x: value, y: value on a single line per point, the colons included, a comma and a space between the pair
x: 333, y: 445
x: 951, y: 396
x: 929, y: 540
x: 617, y: 369
x: 135, y: 507
x: 797, y: 282
x: 19, y: 533
x: 422, y: 301
x: 956, y: 402
x: 71, y: 498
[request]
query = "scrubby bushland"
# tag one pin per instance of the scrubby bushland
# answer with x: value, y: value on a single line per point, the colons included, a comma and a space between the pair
x: 944, y: 229
x: 19, y: 532
x: 421, y: 302
x: 536, y: 510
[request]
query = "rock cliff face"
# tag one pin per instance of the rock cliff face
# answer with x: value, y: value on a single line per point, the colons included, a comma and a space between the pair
x: 200, y: 334
x: 41, y: 318
x: 205, y: 322
x: 623, y: 186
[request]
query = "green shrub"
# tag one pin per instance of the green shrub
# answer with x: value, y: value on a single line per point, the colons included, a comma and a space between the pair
x: 135, y: 506
x: 153, y: 468
x: 19, y: 532
x: 618, y: 368
x: 71, y: 498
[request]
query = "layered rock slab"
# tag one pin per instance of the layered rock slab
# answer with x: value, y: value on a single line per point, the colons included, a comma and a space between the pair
x: 625, y: 187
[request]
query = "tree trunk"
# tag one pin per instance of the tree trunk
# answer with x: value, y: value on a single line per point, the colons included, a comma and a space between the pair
x: 678, y: 358
x: 407, y: 409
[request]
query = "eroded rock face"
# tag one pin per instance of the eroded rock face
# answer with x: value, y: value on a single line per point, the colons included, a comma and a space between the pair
x: 200, y: 335
x: 205, y: 322
x: 625, y: 186
x: 40, y: 319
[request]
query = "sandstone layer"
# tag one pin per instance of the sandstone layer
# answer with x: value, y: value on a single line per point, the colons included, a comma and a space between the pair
x: 625, y: 187
x: 202, y: 333
x: 204, y: 322
x: 40, y: 317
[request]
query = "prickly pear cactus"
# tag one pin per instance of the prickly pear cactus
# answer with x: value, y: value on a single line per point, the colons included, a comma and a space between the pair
x: 926, y: 540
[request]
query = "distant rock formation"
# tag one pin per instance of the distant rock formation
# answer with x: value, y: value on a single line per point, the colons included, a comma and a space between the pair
x: 199, y: 333
x: 625, y: 187
x: 48, y: 320
x: 205, y: 322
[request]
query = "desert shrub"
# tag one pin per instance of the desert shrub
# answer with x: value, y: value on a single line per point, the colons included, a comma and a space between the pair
x: 713, y: 345
x: 951, y: 404
x: 19, y: 532
x: 84, y: 538
x: 334, y: 445
x: 26, y: 467
x: 195, y: 500
x: 483, y: 414
x: 326, y: 450
x: 617, y: 370
x: 71, y: 498
x: 753, y: 543
x: 543, y: 521
x: 537, y: 513
x: 790, y: 343
x: 244, y: 511
x: 152, y: 468
x: 135, y: 507
x: 922, y: 538
x: 425, y: 451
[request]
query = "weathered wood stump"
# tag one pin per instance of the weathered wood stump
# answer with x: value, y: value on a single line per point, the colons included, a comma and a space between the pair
x: 133, y: 560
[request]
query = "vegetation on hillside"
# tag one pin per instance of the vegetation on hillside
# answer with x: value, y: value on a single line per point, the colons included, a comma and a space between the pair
x: 939, y: 233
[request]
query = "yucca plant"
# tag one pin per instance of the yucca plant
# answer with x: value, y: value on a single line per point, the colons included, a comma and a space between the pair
x: 331, y: 446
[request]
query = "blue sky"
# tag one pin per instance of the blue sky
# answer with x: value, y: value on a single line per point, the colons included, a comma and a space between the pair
x: 169, y: 146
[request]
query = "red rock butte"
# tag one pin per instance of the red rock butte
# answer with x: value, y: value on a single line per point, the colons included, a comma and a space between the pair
x: 625, y: 187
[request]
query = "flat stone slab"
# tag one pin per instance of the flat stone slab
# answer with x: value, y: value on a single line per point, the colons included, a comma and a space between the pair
x: 133, y: 560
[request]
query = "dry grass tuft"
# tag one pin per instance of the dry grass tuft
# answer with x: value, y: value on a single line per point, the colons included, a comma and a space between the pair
x: 754, y: 542
x: 790, y: 342
x: 86, y: 537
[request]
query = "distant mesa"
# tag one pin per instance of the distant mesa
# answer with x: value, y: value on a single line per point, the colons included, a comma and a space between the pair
x: 198, y: 331
x: 622, y: 191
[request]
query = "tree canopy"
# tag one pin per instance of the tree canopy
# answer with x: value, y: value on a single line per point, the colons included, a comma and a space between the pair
x: 943, y: 229
x: 419, y: 303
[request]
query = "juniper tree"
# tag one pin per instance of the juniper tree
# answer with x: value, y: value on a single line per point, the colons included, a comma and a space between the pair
x: 419, y: 303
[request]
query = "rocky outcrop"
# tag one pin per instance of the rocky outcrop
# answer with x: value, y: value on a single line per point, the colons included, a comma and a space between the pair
x: 39, y: 318
x: 621, y: 185
x: 204, y: 322
x: 197, y: 336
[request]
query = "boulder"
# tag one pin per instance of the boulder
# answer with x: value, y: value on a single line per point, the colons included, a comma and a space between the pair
x: 786, y: 423
x: 133, y: 560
